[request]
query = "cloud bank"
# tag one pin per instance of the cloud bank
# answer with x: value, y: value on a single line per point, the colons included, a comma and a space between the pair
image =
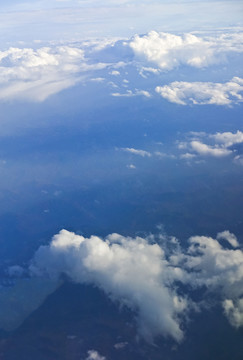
x: 145, y: 274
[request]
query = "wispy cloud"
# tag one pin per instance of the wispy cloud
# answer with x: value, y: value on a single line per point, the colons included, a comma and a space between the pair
x: 130, y: 93
x: 139, y: 152
x: 36, y: 74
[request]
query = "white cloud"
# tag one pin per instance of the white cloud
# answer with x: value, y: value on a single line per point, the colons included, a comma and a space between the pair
x: 145, y: 70
x: 168, y: 51
x: 207, y: 150
x: 94, y: 355
x: 115, y: 72
x: 142, y: 153
x: 234, y: 311
x: 231, y: 238
x: 36, y: 74
x: 203, y: 93
x: 130, y: 270
x: 131, y: 166
x: 142, y: 275
x: 210, y: 264
x: 130, y: 93
x: 228, y: 138
x: 187, y: 156
x: 219, y: 148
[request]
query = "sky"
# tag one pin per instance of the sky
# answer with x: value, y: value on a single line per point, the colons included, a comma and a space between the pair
x: 68, y: 20
x: 121, y: 159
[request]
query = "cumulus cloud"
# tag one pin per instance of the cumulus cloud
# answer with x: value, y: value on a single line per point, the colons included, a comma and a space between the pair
x: 143, y: 275
x: 207, y: 150
x: 168, y: 51
x: 219, y: 269
x: 220, y: 145
x: 203, y: 93
x: 130, y: 270
x: 231, y: 238
x: 234, y: 311
x: 228, y: 138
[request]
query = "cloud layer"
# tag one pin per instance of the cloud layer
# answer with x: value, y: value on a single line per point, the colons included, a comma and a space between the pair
x: 36, y: 73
